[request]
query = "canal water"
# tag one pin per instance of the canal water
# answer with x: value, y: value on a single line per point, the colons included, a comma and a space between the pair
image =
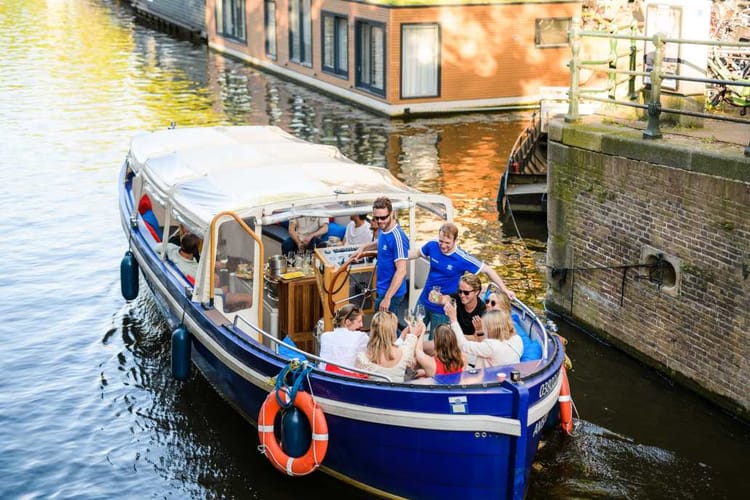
x: 87, y: 406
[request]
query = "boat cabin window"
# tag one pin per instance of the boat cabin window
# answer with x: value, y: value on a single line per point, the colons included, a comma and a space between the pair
x: 235, y: 263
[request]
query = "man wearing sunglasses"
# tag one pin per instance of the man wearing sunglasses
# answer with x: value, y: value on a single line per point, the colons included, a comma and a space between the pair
x: 448, y: 262
x: 393, y: 253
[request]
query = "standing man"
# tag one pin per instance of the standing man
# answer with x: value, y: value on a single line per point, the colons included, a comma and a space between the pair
x: 448, y: 263
x: 393, y: 253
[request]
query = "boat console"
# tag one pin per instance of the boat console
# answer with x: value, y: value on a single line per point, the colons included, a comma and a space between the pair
x: 351, y: 284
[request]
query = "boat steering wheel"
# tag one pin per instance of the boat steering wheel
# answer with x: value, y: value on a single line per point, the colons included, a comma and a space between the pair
x: 345, y: 271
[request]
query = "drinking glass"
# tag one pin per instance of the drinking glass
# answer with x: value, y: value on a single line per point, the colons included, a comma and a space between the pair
x: 419, y: 312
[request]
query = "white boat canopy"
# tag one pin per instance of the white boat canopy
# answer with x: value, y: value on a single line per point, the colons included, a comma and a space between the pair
x: 264, y: 173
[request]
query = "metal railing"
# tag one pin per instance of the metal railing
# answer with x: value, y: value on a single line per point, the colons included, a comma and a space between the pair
x: 656, y: 75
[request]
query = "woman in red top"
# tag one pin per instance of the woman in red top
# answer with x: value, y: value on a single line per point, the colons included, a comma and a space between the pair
x: 448, y: 356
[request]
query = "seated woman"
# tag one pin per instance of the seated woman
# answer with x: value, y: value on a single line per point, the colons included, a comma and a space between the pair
x: 448, y: 356
x: 342, y: 345
x: 383, y: 354
x: 498, y: 301
x: 501, y: 344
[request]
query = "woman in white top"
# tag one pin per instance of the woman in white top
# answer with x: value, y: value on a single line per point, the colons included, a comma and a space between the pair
x: 384, y: 354
x: 501, y: 345
x: 341, y: 346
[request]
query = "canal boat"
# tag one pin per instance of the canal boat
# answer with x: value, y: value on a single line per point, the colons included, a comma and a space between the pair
x: 248, y: 317
x: 523, y: 184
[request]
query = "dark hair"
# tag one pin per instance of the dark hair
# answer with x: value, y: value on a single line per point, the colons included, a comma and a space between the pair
x: 189, y: 244
x: 383, y: 202
x: 348, y: 312
x: 446, y: 348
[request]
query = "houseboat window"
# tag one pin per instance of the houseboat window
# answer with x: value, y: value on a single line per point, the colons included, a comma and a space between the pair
x: 270, y: 21
x: 335, y: 44
x: 552, y: 32
x: 420, y: 60
x: 300, y: 31
x: 230, y: 19
x: 370, y: 50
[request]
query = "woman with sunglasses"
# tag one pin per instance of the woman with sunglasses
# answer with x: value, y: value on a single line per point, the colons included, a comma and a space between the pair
x: 341, y: 346
x: 501, y: 345
x: 385, y: 353
x: 498, y: 301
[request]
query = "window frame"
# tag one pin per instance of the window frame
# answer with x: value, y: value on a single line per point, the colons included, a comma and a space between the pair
x: 219, y: 18
x: 359, y: 23
x: 271, y: 54
x: 438, y: 67
x: 538, y: 34
x: 303, y: 58
x: 335, y: 69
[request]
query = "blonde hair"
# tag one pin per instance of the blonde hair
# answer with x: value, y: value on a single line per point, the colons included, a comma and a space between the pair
x: 449, y: 229
x: 382, y: 336
x: 446, y: 348
x: 472, y: 280
x: 503, y: 301
x: 498, y: 325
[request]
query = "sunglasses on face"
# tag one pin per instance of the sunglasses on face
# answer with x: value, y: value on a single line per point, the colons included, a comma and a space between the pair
x: 465, y: 292
x: 381, y: 217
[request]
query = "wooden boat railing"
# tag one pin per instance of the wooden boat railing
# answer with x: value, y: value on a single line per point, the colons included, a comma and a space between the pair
x: 522, y: 158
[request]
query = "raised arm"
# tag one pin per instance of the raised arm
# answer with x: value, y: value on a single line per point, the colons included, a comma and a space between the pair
x: 424, y: 360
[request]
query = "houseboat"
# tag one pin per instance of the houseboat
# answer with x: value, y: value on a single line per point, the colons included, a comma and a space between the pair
x: 404, y: 57
x: 250, y: 326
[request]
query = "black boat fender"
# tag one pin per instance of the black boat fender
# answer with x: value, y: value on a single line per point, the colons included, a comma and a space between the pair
x: 129, y: 276
x: 180, y: 353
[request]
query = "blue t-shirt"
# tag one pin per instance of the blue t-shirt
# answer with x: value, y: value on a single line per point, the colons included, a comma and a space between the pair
x: 393, y: 245
x: 445, y: 271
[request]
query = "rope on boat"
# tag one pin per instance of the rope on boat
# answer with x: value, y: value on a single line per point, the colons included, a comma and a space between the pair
x: 299, y: 371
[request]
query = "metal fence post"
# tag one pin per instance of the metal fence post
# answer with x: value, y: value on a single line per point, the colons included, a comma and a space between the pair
x: 654, y: 106
x: 575, y: 49
x: 633, y: 53
x: 612, y: 77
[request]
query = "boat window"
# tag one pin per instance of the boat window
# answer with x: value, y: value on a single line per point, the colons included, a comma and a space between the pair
x: 235, y: 260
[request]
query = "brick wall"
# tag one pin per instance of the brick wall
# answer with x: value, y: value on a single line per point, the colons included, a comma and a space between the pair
x: 606, y: 202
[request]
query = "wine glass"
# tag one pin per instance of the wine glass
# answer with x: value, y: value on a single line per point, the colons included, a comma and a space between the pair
x: 223, y: 260
x: 410, y: 319
x: 419, y: 312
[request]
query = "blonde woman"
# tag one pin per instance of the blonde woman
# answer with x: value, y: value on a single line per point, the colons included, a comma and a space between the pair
x: 501, y: 344
x: 341, y: 346
x: 386, y: 355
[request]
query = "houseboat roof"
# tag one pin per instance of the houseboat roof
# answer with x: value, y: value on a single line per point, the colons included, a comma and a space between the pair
x: 261, y: 172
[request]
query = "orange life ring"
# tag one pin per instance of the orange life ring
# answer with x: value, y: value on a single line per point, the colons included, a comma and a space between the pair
x: 566, y: 404
x: 270, y: 446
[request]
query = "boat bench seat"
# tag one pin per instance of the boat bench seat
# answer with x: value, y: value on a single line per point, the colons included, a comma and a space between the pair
x: 278, y: 232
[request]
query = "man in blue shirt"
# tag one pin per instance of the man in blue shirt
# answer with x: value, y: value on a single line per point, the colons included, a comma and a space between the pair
x: 393, y: 254
x: 448, y: 263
